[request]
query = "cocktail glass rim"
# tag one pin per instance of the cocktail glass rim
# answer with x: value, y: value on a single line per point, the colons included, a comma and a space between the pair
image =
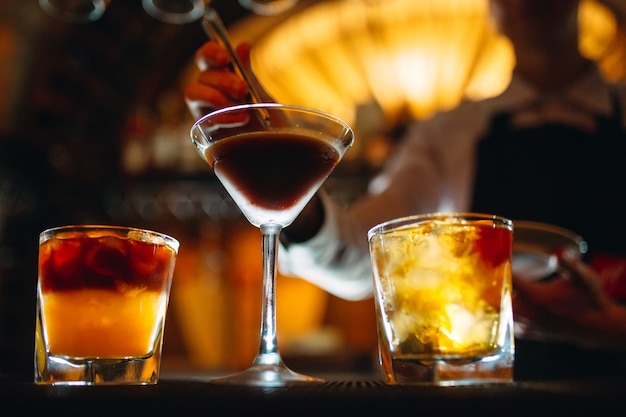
x: 400, y: 222
x: 167, y: 239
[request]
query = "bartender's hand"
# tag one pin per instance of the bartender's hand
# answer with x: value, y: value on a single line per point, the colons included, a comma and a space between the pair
x: 571, y: 308
x: 216, y: 86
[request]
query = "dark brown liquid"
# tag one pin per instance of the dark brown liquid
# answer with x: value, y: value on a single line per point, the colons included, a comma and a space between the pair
x: 107, y: 262
x: 272, y: 170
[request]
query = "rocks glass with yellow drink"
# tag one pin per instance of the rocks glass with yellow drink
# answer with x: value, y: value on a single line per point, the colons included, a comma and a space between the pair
x: 102, y: 298
x: 443, y: 298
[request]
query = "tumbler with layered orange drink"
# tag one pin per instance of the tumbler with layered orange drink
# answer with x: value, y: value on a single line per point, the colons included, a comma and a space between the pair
x: 102, y: 298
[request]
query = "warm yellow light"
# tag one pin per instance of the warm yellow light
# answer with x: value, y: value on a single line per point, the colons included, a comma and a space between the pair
x: 409, y: 58
x: 601, y: 40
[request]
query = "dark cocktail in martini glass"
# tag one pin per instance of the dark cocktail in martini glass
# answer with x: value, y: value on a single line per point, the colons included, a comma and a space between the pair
x: 271, y: 158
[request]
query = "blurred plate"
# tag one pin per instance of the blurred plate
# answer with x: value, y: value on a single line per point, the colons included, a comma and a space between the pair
x: 535, y: 246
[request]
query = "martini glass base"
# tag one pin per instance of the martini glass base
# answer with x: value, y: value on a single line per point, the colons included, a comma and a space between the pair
x: 267, y: 376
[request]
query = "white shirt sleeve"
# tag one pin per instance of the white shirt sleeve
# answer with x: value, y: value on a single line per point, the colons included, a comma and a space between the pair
x: 337, y: 258
x: 331, y: 260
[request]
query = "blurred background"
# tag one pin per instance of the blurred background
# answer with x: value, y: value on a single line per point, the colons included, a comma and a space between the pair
x: 94, y: 129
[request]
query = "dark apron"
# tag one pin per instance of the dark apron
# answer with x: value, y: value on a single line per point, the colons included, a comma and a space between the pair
x: 567, y: 177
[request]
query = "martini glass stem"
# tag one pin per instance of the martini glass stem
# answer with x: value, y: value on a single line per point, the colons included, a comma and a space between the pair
x: 268, y: 350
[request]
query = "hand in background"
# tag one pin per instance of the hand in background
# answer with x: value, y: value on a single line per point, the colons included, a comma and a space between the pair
x: 572, y: 308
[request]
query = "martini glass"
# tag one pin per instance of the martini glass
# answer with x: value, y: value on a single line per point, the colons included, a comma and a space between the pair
x: 271, y: 158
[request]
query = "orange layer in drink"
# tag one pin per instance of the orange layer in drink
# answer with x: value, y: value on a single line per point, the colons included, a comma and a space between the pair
x: 102, y: 323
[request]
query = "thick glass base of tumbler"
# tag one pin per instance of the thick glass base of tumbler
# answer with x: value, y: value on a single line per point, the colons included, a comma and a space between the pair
x: 74, y: 372
x: 51, y: 369
x: 267, y: 376
x: 494, y: 369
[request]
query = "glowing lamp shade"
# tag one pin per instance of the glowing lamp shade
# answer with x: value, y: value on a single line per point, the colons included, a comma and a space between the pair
x: 407, y: 58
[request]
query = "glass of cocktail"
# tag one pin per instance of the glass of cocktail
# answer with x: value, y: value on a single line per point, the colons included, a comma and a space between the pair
x: 271, y: 158
x: 443, y: 298
x: 102, y: 297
